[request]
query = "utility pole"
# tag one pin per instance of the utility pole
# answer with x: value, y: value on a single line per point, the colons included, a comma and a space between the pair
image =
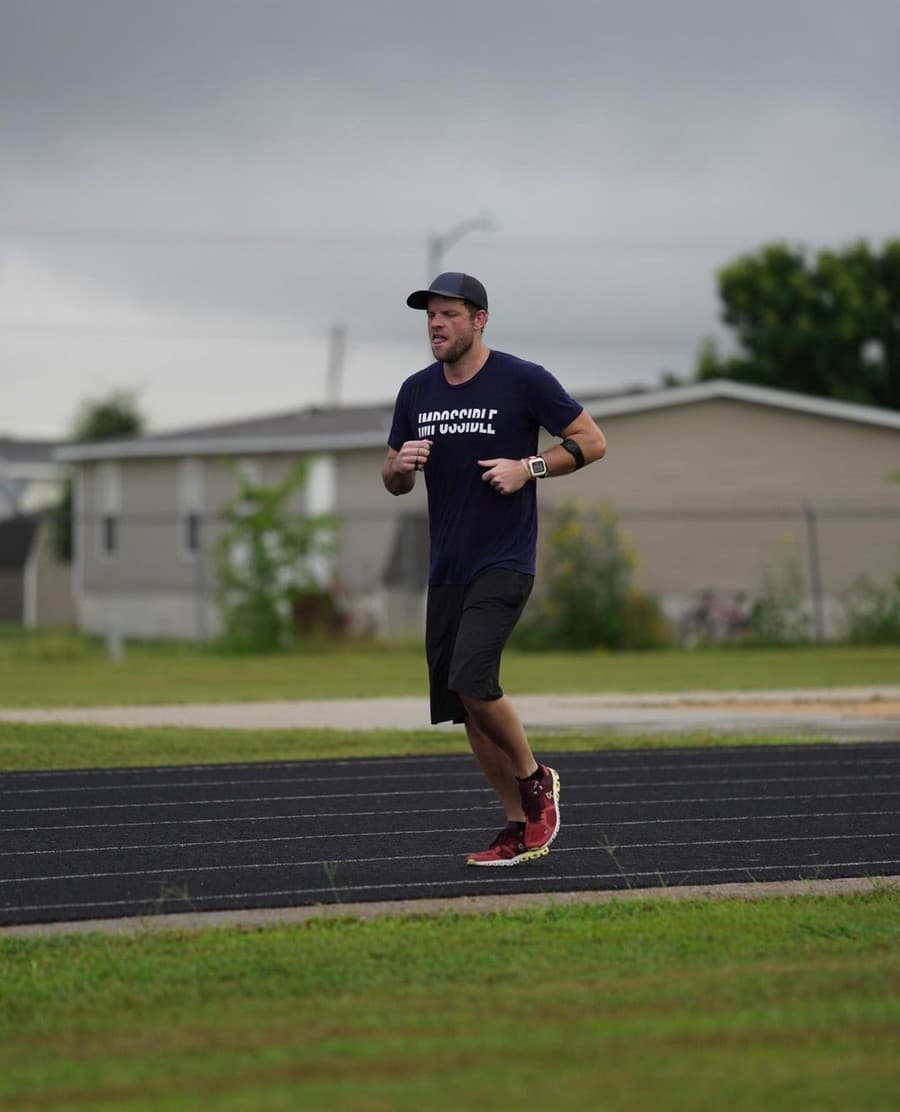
x: 438, y: 245
x: 334, y: 374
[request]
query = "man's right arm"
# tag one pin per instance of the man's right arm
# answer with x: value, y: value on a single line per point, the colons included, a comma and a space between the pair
x: 399, y: 468
x: 396, y: 477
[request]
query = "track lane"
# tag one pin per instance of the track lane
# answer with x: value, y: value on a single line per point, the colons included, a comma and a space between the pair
x: 124, y: 842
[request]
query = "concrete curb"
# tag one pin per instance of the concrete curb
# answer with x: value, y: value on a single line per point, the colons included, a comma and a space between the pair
x: 257, y: 918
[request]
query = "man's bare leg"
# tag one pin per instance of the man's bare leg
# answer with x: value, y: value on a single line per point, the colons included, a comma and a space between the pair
x: 497, y: 770
x: 528, y: 791
x: 500, y: 745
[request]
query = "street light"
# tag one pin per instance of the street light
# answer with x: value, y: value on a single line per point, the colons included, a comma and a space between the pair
x: 437, y: 245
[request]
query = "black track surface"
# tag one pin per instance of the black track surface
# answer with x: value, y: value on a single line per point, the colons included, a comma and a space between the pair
x: 123, y: 842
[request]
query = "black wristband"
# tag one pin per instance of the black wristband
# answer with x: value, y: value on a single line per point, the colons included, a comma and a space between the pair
x: 574, y: 450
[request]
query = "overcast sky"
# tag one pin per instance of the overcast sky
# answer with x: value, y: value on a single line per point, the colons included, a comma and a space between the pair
x: 195, y: 193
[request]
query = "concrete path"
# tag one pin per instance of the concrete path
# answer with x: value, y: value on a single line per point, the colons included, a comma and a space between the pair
x: 849, y: 713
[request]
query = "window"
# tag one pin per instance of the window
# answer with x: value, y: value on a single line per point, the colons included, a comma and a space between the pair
x: 250, y: 470
x: 249, y: 473
x: 190, y: 506
x: 321, y: 497
x: 109, y: 507
x: 321, y: 486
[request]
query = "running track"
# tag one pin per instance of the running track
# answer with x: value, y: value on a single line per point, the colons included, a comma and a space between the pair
x: 123, y: 842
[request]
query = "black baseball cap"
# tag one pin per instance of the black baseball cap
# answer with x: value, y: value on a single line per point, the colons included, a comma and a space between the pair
x: 451, y: 284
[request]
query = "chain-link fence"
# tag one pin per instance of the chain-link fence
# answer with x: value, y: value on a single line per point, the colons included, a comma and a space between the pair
x: 707, y: 565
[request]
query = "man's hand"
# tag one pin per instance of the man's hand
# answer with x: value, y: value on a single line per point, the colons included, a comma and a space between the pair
x: 398, y: 472
x: 413, y: 456
x: 506, y: 476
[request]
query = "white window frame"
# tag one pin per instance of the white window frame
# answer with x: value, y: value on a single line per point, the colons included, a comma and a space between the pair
x: 109, y: 510
x: 321, y: 499
x: 321, y: 485
x: 251, y: 471
x: 191, y: 503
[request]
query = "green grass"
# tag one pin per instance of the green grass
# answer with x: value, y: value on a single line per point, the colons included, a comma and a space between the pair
x: 777, y: 1004
x: 25, y: 746
x: 789, y: 1004
x: 32, y: 678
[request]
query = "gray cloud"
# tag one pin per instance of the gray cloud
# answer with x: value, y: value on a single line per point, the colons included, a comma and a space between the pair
x: 267, y: 167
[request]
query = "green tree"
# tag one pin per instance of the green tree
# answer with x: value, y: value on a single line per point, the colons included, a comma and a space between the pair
x: 825, y: 323
x: 114, y: 417
x: 265, y: 562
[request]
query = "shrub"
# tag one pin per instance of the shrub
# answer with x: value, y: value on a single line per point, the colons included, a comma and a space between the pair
x: 873, y: 613
x: 315, y: 614
x: 586, y: 599
x: 780, y: 613
x: 265, y: 561
x: 644, y: 625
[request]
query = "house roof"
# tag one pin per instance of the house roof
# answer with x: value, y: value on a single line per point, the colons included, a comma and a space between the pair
x: 27, y: 451
x: 315, y: 429
x: 319, y: 429
x: 28, y: 459
x: 744, y: 392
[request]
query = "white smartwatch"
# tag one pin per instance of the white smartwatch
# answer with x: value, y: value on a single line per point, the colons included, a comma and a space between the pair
x: 536, y: 466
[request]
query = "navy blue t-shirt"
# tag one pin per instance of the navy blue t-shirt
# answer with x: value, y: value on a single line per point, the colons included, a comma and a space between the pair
x: 494, y: 415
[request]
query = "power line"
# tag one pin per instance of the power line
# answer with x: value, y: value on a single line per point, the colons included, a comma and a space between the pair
x: 274, y: 238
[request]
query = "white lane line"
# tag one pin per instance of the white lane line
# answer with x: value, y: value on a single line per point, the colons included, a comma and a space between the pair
x: 615, y: 847
x: 310, y: 817
x: 402, y: 833
x: 180, y: 870
x: 472, y: 773
x: 441, y: 810
x: 867, y: 777
x: 239, y: 799
x: 464, y: 754
x: 497, y: 876
x: 306, y: 762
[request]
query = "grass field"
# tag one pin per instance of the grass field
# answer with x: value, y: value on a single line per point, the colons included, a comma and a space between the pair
x: 787, y: 1004
x: 26, y: 746
x: 43, y: 675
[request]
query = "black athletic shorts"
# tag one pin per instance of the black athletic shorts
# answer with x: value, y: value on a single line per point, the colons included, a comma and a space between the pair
x: 466, y: 628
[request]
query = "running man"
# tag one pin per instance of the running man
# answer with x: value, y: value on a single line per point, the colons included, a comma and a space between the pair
x: 470, y: 423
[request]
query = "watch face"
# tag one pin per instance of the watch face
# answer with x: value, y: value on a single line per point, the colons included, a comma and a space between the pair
x: 538, y: 467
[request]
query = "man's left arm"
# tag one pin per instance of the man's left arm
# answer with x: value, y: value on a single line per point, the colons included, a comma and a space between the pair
x: 581, y: 443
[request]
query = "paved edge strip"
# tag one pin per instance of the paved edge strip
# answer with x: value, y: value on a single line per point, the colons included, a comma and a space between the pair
x: 254, y: 918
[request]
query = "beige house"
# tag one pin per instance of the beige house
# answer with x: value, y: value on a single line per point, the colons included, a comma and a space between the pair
x: 35, y: 587
x: 716, y: 485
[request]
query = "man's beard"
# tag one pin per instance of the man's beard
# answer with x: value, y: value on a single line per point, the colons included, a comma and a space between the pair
x: 455, y: 350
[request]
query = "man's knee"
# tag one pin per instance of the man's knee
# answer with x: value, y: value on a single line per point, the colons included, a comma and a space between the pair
x: 473, y: 681
x: 477, y: 706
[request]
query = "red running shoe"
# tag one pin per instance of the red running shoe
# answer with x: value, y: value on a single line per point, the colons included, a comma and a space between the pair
x: 508, y: 848
x: 540, y: 802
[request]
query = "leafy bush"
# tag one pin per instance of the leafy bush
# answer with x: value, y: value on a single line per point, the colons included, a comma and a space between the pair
x: 780, y: 612
x: 873, y: 613
x: 644, y: 625
x: 315, y: 613
x: 585, y: 598
x: 265, y: 561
